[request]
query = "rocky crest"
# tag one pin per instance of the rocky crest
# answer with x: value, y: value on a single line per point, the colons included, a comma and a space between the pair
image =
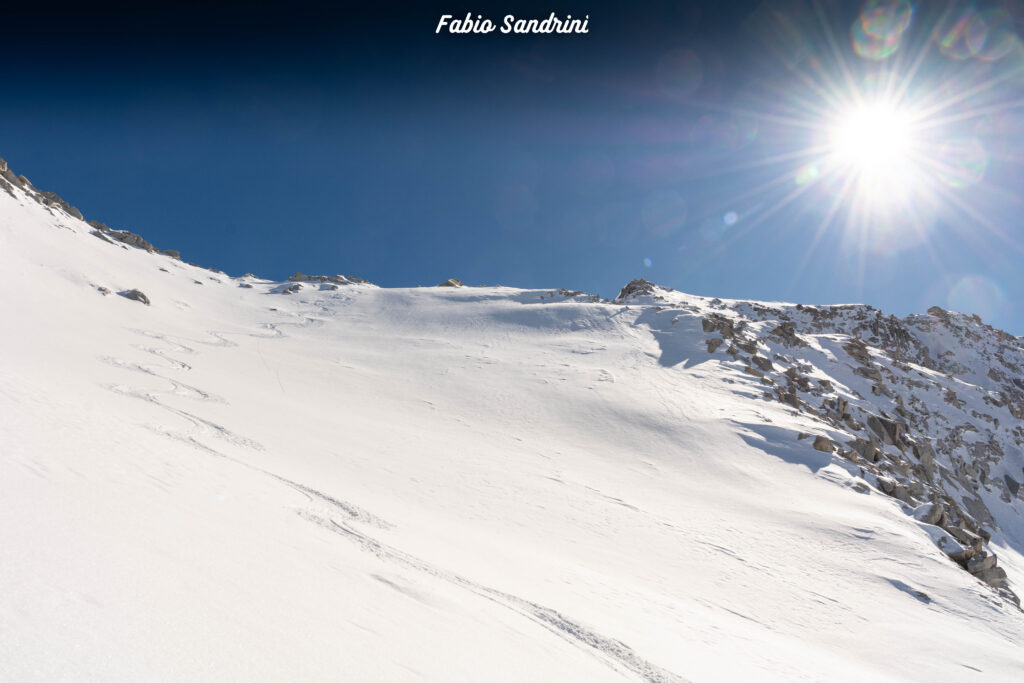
x: 9, y: 181
x: 928, y: 407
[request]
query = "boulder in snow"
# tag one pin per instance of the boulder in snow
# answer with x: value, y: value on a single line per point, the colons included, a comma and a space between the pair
x: 135, y: 295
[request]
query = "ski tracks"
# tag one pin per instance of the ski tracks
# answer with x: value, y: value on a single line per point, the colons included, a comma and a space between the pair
x: 611, y: 652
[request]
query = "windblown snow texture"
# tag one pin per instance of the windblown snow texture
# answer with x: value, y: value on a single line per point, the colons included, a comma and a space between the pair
x: 216, y: 478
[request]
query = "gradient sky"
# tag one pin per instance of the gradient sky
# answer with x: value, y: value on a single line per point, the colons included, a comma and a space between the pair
x: 678, y: 141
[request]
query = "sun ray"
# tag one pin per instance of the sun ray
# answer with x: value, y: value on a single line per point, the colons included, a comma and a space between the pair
x: 888, y: 141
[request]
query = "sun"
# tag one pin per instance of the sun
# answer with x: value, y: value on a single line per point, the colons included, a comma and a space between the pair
x: 875, y: 142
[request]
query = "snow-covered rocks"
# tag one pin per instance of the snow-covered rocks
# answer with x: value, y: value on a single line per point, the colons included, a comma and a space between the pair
x: 928, y: 424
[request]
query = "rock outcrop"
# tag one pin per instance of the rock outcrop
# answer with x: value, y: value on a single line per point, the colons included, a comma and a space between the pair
x: 336, y: 279
x: 135, y: 295
x: 929, y: 409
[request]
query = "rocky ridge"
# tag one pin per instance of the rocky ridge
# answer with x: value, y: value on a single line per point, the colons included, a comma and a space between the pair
x: 928, y: 407
x: 9, y: 180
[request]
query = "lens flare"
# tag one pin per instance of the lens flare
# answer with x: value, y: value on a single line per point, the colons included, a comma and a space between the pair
x: 879, y: 29
x: 873, y: 142
x: 889, y: 144
x: 978, y: 294
x: 991, y: 35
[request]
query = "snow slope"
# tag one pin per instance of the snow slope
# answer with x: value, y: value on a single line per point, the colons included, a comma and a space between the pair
x: 235, y: 483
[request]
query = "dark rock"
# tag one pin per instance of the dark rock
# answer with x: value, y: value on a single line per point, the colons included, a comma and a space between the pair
x: 931, y: 513
x: 104, y: 231
x: 982, y: 561
x: 135, y: 295
x: 1012, y: 484
x: 823, y: 444
x: 887, y: 485
x: 968, y: 538
x: 889, y: 431
x: 747, y: 346
x: 636, y: 288
x: 786, y: 333
x: 994, y: 576
x: 451, y: 282
x: 872, y: 373
x: 858, y: 349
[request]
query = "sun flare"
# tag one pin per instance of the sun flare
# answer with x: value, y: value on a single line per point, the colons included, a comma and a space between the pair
x: 875, y: 142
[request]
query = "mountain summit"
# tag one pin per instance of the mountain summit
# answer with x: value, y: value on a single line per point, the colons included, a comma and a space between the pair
x: 211, y: 477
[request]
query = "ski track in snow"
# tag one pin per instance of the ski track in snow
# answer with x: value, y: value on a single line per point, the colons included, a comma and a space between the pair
x: 613, y: 653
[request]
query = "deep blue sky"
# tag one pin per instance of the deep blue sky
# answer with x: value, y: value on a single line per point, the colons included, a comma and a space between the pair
x: 271, y: 137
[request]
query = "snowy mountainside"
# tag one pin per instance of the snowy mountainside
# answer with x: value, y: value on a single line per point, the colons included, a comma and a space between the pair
x: 929, y: 407
x: 323, y: 479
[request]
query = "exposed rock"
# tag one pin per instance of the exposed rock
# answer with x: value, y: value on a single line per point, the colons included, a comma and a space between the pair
x: 135, y: 295
x: 337, y: 279
x: 634, y: 288
x: 108, y: 234
x: 858, y: 349
x: 786, y: 334
x: 994, y: 576
x: 1011, y: 484
x: 871, y: 373
x: 451, y: 282
x: 746, y: 346
x: 867, y: 449
x: 982, y: 561
x: 930, y: 513
x: 968, y: 538
x: 824, y: 444
x: 888, y: 431
x: 713, y: 344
